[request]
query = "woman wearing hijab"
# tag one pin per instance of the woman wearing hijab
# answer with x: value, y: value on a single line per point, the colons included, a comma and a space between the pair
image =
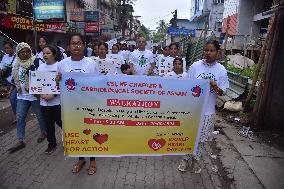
x: 24, y: 62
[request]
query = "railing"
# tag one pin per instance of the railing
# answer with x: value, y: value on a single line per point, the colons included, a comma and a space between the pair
x: 4, y: 37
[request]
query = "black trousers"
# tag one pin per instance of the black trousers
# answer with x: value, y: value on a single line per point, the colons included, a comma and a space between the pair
x: 52, y: 115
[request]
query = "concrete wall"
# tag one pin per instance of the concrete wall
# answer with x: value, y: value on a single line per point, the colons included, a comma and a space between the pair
x: 244, y: 25
x: 215, y: 17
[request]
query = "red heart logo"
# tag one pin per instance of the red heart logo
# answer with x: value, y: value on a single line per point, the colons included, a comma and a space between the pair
x: 87, y: 131
x: 156, y: 144
x: 100, y: 138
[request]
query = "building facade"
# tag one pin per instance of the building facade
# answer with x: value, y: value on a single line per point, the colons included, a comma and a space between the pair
x: 207, y: 14
x: 246, y: 22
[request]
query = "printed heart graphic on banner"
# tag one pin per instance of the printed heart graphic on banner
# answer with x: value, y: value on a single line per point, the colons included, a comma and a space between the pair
x: 87, y: 131
x: 100, y: 138
x: 156, y: 144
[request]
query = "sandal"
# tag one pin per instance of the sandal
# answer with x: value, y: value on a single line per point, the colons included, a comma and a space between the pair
x: 92, y: 168
x: 78, y: 166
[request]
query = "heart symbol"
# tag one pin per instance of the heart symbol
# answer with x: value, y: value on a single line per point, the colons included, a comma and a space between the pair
x: 156, y: 144
x: 100, y: 138
x: 87, y: 131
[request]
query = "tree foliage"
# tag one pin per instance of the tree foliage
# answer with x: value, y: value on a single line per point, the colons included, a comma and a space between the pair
x: 161, y: 31
x: 144, y: 32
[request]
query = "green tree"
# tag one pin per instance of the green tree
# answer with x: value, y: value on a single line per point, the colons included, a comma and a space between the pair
x: 161, y: 32
x: 144, y: 32
x: 125, y: 10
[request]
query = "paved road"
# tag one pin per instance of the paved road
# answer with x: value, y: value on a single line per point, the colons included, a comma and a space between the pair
x: 31, y: 168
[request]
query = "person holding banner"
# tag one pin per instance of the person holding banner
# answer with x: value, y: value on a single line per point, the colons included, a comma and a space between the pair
x: 178, y: 69
x: 141, y: 59
x: 105, y: 65
x: 50, y: 103
x: 207, y: 68
x: 78, y: 63
x: 24, y: 63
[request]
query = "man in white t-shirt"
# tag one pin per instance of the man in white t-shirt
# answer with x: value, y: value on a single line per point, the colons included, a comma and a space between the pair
x: 141, y: 59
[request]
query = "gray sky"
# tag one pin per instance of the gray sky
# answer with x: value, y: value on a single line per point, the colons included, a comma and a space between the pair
x: 151, y: 11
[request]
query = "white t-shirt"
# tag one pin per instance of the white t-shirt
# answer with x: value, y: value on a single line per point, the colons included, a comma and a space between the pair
x: 216, y: 72
x: 85, y: 65
x: 125, y: 54
x: 89, y: 51
x: 24, y: 95
x: 164, y: 65
x: 105, y: 66
x: 141, y: 61
x: 174, y: 75
x: 117, y: 60
x: 49, y: 68
x: 8, y: 62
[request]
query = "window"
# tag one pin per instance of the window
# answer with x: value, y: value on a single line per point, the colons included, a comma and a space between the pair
x: 218, y: 1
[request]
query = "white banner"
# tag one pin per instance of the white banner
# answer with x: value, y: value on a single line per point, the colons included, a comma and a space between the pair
x: 43, y: 83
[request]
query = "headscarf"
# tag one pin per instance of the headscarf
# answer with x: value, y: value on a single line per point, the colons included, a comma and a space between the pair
x: 25, y: 64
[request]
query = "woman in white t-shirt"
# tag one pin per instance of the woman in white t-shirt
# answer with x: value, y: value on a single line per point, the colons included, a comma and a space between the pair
x: 50, y: 103
x: 105, y: 64
x: 78, y: 63
x: 177, y: 70
x: 210, y: 69
x: 42, y: 42
x: 24, y: 63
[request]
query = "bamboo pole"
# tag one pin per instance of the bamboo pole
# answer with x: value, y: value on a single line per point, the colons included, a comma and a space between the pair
x: 266, y: 76
x: 260, y: 61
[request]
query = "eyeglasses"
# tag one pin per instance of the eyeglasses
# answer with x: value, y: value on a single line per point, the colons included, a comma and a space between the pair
x: 79, y: 44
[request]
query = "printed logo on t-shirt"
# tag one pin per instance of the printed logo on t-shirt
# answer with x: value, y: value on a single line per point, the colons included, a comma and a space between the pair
x: 22, y: 76
x: 78, y: 70
x: 142, y: 61
x: 209, y: 76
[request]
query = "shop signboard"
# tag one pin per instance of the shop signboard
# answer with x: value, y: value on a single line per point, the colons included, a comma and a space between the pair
x: 92, y: 27
x: 77, y: 15
x: 92, y: 16
x: 49, y: 10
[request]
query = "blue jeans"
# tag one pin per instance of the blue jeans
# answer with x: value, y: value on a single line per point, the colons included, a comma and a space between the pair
x: 23, y: 107
x: 13, y: 100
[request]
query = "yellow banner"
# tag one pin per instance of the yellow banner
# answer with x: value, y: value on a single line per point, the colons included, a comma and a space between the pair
x: 129, y: 115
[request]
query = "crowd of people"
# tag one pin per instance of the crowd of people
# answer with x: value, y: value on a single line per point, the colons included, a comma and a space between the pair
x: 97, y: 60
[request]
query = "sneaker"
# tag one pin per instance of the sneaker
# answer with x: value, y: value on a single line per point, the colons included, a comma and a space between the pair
x: 49, y: 150
x: 41, y: 137
x: 183, y: 165
x: 18, y: 146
